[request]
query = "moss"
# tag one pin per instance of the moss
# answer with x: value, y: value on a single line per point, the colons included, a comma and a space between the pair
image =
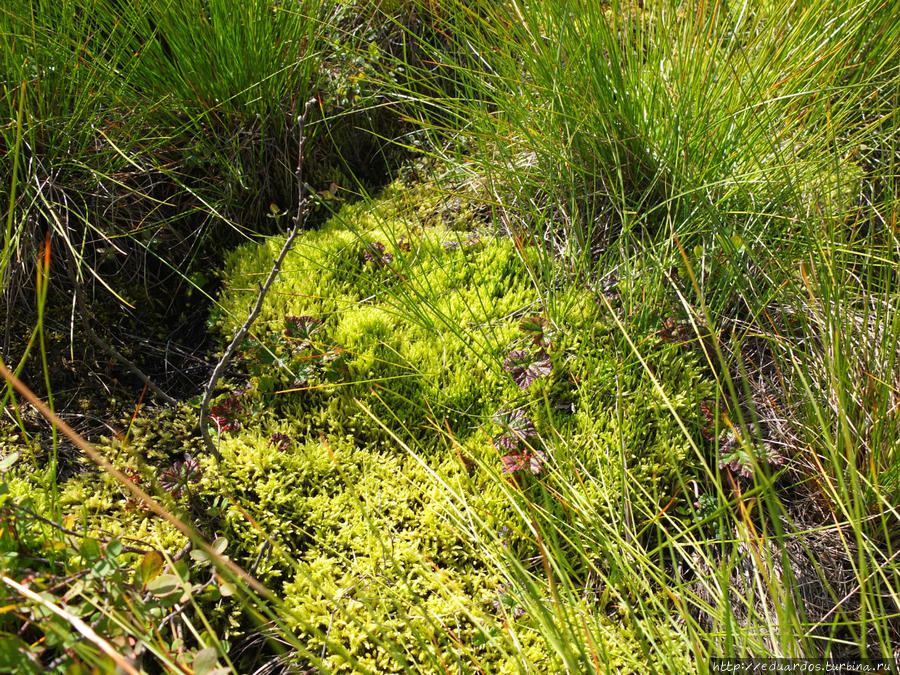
x: 377, y: 568
x: 423, y: 339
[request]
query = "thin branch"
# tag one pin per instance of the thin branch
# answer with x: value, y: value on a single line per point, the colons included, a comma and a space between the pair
x: 179, y: 608
x: 123, y: 360
x: 263, y: 290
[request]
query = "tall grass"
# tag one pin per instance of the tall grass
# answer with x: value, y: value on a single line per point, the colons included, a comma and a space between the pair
x: 739, y: 163
x: 144, y: 125
x: 134, y: 134
x: 731, y: 168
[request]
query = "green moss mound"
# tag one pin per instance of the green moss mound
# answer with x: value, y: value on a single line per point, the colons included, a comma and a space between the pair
x: 421, y: 329
x: 376, y: 396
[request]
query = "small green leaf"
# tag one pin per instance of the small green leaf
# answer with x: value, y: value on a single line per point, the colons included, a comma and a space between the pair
x: 7, y: 462
x: 211, y: 594
x: 199, y: 278
x: 90, y: 549
x: 336, y: 370
x: 150, y: 566
x: 77, y: 588
x: 163, y: 585
x: 225, y: 588
x: 219, y: 545
x: 200, y: 556
x: 103, y: 568
x: 205, y: 660
x: 482, y: 638
x: 114, y: 548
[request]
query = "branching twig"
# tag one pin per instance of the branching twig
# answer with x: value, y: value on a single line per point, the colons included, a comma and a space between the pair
x: 263, y: 289
x: 179, y: 608
x: 123, y: 360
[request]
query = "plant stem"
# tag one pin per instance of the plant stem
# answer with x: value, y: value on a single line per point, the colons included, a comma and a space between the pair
x: 263, y: 290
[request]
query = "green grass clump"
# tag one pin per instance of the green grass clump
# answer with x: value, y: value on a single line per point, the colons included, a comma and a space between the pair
x: 735, y: 167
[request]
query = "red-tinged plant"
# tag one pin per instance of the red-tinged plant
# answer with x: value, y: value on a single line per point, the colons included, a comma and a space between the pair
x: 525, y: 368
x: 528, y: 460
x: 506, y: 603
x: 132, y: 503
x: 538, y: 329
x: 301, y: 328
x: 517, y: 427
x: 226, y: 414
x: 280, y: 440
x: 709, y: 409
x: 679, y: 332
x: 178, y: 479
x: 734, y: 455
x: 741, y: 459
x: 374, y: 253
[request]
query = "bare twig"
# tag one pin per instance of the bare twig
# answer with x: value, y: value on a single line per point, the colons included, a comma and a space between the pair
x: 115, y: 354
x: 179, y: 608
x: 263, y: 289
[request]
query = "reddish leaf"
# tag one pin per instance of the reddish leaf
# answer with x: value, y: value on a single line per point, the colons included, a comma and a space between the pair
x: 531, y: 460
x: 177, y: 480
x: 514, y: 462
x: 301, y: 327
x: 517, y: 427
x: 679, y: 332
x: 280, y: 440
x: 738, y: 459
x: 525, y: 368
x: 708, y: 410
x: 374, y: 253
x: 225, y: 414
x: 538, y: 329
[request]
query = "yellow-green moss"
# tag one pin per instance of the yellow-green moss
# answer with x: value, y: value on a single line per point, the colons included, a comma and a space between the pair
x: 424, y: 338
x: 375, y: 569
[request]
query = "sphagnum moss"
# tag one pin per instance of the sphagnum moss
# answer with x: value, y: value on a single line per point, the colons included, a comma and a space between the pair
x: 341, y: 449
